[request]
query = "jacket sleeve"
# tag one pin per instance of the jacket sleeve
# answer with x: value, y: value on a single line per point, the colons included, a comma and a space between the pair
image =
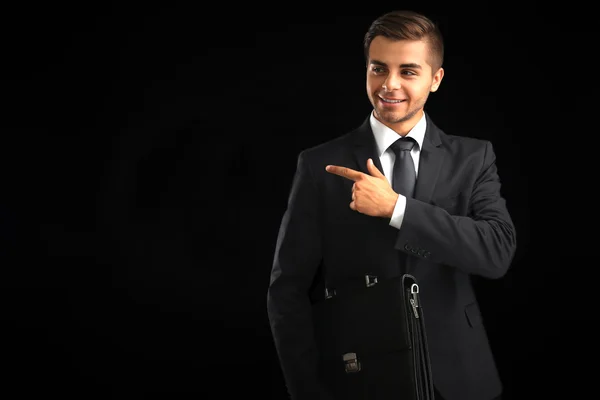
x: 481, y: 243
x: 296, y: 261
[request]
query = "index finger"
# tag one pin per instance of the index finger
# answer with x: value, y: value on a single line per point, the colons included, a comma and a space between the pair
x: 344, y: 172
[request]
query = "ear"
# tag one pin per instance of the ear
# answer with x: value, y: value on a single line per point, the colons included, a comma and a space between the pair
x: 437, y: 79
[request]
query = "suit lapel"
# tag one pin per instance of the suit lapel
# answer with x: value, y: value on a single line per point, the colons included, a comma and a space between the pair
x: 430, y: 163
x: 365, y: 147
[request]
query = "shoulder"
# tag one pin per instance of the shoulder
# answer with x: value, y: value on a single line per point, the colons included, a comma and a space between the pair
x: 328, y: 147
x: 462, y: 142
x: 466, y: 142
x: 467, y: 147
x: 340, y: 145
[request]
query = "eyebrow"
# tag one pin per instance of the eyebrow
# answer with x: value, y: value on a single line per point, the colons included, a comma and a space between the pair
x: 408, y: 65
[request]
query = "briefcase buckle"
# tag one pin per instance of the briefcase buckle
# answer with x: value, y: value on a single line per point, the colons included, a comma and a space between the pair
x: 351, y: 363
x: 370, y: 280
x: 329, y: 293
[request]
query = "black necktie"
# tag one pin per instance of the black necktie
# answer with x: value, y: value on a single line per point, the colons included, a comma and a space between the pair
x: 404, y: 175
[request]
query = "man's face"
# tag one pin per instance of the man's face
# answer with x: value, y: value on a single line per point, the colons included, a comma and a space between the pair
x: 399, y: 80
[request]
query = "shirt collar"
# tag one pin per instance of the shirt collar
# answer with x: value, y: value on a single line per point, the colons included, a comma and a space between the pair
x: 385, y: 136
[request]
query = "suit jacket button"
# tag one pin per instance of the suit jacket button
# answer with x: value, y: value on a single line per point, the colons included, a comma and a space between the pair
x: 407, y: 247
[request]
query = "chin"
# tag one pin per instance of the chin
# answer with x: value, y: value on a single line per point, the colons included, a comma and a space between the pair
x: 390, y: 116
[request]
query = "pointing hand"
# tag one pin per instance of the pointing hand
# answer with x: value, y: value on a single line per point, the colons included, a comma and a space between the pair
x: 371, y: 194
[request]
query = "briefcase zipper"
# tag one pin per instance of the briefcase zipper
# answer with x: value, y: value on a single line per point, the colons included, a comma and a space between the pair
x: 414, y: 299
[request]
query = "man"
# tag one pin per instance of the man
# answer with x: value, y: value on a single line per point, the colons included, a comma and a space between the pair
x: 343, y: 215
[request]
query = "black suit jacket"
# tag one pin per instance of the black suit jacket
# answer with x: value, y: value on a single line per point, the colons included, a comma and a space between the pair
x: 456, y: 226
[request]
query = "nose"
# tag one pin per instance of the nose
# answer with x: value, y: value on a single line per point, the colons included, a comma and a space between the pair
x: 391, y: 83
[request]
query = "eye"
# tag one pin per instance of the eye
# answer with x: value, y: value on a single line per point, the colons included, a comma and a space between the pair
x: 377, y: 69
x: 409, y: 72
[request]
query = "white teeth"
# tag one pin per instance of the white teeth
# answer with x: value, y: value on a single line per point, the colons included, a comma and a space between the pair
x: 391, y: 101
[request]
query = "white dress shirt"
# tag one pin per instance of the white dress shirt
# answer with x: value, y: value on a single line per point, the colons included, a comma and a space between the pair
x: 384, y: 137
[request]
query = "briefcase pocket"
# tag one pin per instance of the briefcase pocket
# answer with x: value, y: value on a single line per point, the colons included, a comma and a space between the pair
x: 362, y: 319
x: 371, y: 341
x: 372, y: 376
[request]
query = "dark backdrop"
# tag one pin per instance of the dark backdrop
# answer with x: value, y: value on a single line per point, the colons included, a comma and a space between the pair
x: 147, y: 157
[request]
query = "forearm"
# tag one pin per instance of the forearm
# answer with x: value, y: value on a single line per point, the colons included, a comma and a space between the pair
x: 481, y: 246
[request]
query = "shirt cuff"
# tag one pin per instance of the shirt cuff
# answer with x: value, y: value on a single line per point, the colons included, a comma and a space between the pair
x: 398, y: 214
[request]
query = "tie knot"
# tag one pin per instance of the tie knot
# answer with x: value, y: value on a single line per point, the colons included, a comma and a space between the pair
x: 404, y: 143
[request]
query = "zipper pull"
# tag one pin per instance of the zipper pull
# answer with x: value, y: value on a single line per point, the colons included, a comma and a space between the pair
x: 414, y: 300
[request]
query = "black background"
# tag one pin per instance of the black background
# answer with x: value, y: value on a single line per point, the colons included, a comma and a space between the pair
x: 147, y: 155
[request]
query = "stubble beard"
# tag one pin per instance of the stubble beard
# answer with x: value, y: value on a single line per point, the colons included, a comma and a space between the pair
x: 394, y: 117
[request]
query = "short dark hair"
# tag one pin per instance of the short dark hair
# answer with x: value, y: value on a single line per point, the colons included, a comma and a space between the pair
x: 408, y: 25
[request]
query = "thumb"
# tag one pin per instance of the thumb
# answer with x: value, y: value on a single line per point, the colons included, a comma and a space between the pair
x: 373, y: 169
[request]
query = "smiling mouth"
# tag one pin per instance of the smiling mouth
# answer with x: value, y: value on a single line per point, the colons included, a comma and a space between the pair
x: 391, y: 101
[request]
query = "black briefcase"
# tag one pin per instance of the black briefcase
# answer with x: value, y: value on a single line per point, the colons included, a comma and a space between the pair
x: 371, y: 340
